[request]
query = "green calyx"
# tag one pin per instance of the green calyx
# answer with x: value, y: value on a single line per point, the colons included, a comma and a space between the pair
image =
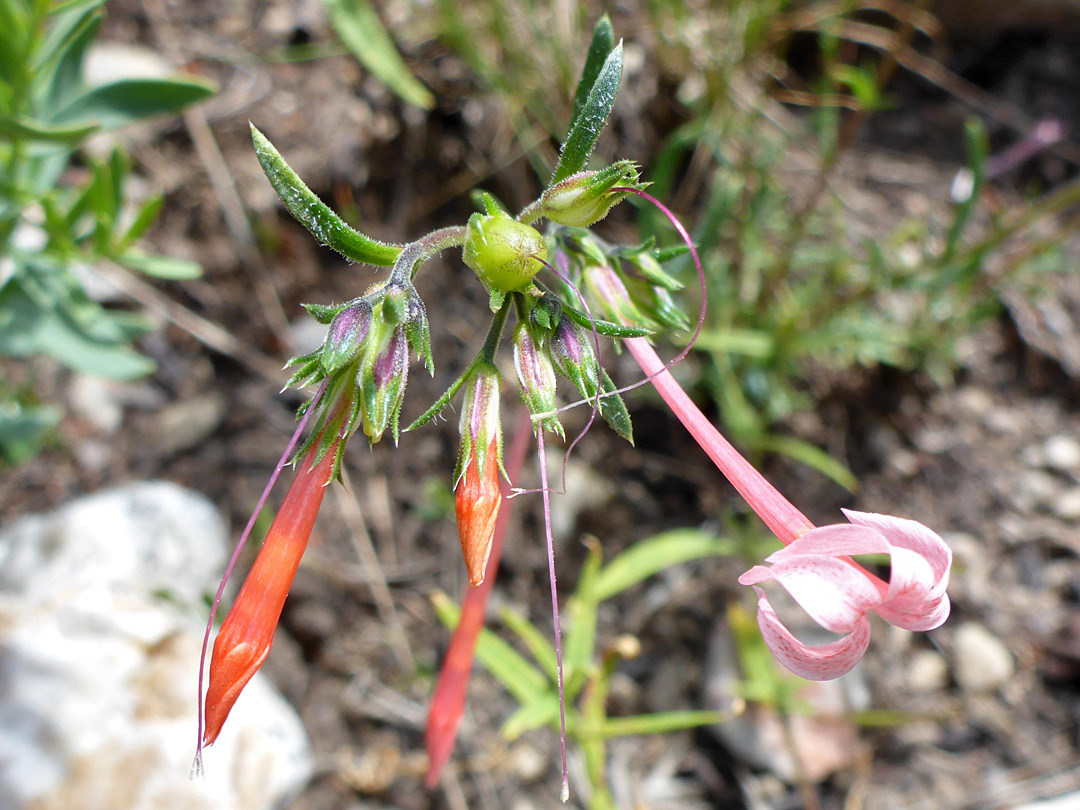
x: 505, y: 254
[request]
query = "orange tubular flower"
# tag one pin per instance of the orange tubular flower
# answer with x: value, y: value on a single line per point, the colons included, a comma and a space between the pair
x: 477, y: 501
x: 248, y: 631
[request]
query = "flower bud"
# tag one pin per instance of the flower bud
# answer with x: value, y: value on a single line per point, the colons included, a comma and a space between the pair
x: 586, y: 198
x: 505, y: 254
x: 608, y: 294
x: 536, y: 376
x: 346, y: 335
x: 476, y: 503
x: 384, y: 372
x: 476, y: 479
x: 574, y: 353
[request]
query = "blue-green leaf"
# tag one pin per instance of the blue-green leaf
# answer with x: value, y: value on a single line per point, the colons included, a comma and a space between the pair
x: 125, y: 101
x: 165, y: 267
x: 582, y: 138
x: 314, y: 214
x: 26, y: 130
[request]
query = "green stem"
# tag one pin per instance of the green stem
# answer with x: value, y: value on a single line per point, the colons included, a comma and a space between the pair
x: 416, y: 253
x: 530, y: 213
x: 494, y: 335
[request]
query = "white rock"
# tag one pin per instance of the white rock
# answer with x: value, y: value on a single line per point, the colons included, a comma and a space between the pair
x: 144, y: 538
x: 100, y: 670
x: 981, y: 660
x: 1062, y: 453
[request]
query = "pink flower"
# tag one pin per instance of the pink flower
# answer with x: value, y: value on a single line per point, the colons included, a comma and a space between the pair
x: 837, y: 593
x: 815, y: 567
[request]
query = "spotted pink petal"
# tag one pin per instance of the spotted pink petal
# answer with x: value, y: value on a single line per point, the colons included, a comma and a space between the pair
x: 821, y: 663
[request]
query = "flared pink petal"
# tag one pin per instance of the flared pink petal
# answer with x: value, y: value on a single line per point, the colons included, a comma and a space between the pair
x: 919, y: 617
x: 838, y: 540
x: 914, y: 536
x: 911, y: 579
x: 821, y: 663
x: 834, y: 592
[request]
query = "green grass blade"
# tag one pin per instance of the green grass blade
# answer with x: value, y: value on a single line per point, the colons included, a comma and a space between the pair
x: 650, y: 556
x: 603, y: 41
x: 359, y: 28
x: 659, y: 723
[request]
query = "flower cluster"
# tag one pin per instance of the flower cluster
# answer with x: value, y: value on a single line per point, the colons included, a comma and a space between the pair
x: 591, y: 289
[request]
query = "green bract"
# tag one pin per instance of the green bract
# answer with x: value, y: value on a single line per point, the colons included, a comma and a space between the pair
x: 504, y: 253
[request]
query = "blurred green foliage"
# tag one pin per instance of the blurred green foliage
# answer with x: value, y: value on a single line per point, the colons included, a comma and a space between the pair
x: 62, y: 209
x: 531, y: 678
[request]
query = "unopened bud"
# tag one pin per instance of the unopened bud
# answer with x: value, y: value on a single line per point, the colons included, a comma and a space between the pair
x: 384, y: 372
x: 607, y: 293
x: 536, y: 376
x: 574, y: 353
x: 505, y: 254
x: 346, y: 335
x: 587, y: 197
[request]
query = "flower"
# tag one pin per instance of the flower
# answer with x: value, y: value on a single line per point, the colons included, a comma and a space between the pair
x: 247, y: 633
x: 816, y: 570
x: 815, y: 567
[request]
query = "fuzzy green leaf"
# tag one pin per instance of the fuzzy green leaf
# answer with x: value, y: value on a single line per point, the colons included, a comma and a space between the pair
x: 582, y: 138
x: 603, y: 40
x: 314, y: 214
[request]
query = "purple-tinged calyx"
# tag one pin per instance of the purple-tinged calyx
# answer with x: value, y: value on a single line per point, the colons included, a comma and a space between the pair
x: 536, y: 377
x: 574, y: 353
x: 479, y: 424
x: 383, y: 374
x: 346, y: 336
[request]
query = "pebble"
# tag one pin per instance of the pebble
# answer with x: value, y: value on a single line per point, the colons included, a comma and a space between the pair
x: 927, y: 671
x: 981, y: 660
x: 96, y: 400
x: 1034, y: 488
x: 1062, y: 453
x: 1067, y: 505
x: 186, y: 424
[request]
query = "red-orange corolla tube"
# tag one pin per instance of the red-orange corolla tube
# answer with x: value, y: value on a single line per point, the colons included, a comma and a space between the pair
x: 247, y: 633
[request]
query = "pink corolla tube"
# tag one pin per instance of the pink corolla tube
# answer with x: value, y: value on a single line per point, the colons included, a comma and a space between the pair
x: 815, y: 566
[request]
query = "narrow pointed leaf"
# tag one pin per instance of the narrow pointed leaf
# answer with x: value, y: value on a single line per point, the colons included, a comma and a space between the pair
x: 314, y: 214
x: 603, y: 41
x: 544, y: 711
x: 659, y: 723
x: 583, y: 136
x: 542, y: 650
